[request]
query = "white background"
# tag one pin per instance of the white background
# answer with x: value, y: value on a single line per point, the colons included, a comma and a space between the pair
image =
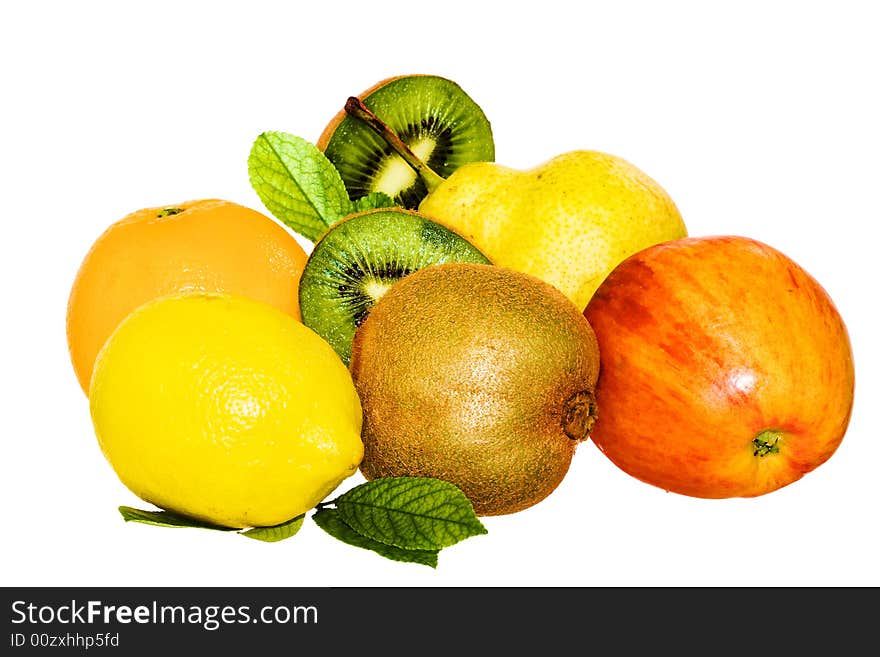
x: 760, y: 119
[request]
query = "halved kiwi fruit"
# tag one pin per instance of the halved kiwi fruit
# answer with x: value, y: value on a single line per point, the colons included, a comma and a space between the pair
x: 433, y: 116
x: 360, y: 257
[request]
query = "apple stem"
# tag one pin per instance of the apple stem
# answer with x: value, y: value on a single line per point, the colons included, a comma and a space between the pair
x: 767, y: 442
x: 355, y: 107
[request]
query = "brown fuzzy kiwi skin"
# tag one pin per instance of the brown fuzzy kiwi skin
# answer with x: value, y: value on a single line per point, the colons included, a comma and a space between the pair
x: 328, y: 131
x: 478, y: 375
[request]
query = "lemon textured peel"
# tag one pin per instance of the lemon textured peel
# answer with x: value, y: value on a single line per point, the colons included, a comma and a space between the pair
x: 224, y: 409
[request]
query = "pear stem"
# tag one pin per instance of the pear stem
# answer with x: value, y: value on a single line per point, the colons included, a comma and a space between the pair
x: 355, y: 107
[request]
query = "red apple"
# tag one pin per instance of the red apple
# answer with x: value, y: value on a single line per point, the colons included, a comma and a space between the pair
x: 726, y: 370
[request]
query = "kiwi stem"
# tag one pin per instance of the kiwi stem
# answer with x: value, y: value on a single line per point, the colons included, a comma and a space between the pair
x: 579, y: 415
x: 355, y: 107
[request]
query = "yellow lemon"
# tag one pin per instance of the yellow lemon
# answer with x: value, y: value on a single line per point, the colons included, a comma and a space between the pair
x: 225, y: 409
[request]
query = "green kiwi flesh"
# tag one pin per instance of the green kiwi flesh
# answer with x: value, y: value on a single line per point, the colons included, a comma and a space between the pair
x: 439, y: 122
x: 359, y: 258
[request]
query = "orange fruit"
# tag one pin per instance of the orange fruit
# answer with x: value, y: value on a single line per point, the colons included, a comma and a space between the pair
x: 205, y: 245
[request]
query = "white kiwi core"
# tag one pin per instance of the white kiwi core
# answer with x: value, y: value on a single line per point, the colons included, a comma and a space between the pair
x: 396, y: 174
x: 375, y: 288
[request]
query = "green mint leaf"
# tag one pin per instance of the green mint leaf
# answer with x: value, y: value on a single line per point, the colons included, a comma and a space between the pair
x: 276, y: 532
x: 297, y: 183
x: 414, y: 513
x: 330, y: 521
x: 166, y: 519
x: 373, y: 201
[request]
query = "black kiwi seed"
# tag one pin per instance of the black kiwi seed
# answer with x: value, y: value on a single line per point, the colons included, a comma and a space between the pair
x: 432, y: 115
x: 360, y: 257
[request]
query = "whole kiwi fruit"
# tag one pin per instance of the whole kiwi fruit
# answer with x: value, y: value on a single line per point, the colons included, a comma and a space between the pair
x: 479, y: 375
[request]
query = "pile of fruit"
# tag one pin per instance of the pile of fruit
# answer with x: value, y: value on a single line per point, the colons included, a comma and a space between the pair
x: 457, y: 329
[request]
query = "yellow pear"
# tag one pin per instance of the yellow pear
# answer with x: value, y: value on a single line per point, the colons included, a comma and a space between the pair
x: 569, y: 221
